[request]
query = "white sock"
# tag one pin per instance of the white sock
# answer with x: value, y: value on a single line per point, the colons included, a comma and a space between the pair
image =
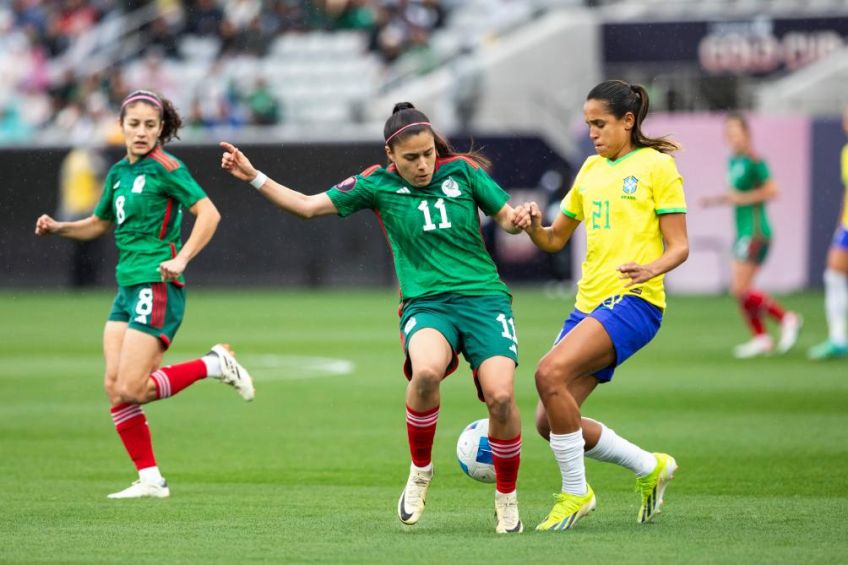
x: 213, y: 365
x: 611, y: 448
x: 836, y: 305
x: 568, y: 452
x: 151, y: 475
x: 428, y: 469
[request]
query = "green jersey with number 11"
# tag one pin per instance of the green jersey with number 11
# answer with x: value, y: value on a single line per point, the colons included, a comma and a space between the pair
x: 145, y: 201
x: 433, y: 231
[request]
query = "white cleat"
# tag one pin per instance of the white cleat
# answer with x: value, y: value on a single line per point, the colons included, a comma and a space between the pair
x: 790, y: 327
x: 412, y: 499
x: 143, y: 489
x: 758, y: 346
x: 506, y: 512
x: 232, y: 373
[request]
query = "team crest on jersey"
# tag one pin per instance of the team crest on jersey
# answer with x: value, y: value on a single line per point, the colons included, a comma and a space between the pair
x: 451, y: 188
x: 347, y: 184
x: 138, y: 184
x: 630, y: 184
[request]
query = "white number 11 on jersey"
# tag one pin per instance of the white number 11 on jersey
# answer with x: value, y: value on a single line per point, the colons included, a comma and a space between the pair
x: 428, y: 220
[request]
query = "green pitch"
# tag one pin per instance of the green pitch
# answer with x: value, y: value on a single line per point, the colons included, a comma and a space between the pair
x: 311, y: 471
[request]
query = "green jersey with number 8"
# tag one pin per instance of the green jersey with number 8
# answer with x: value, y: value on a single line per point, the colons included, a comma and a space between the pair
x: 145, y: 201
x: 433, y: 231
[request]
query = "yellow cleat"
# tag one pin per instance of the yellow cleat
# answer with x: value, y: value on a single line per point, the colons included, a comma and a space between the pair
x: 567, y: 509
x: 653, y: 485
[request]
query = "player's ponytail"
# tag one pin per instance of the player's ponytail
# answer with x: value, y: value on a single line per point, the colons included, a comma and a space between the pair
x: 406, y: 120
x: 621, y: 98
x: 171, y: 121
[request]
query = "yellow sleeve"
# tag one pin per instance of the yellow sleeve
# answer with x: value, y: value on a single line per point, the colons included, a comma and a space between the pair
x: 668, y: 188
x: 845, y: 166
x: 572, y: 203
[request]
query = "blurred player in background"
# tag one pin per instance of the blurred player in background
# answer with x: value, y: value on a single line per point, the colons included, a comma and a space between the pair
x: 630, y: 197
x: 751, y: 187
x: 143, y: 199
x: 80, y: 188
x: 836, y: 279
x: 452, y: 299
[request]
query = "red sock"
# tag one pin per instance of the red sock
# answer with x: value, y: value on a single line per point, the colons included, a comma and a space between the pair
x: 135, y: 434
x: 421, y: 428
x: 752, y: 304
x: 172, y: 379
x: 506, y: 455
x: 773, y: 308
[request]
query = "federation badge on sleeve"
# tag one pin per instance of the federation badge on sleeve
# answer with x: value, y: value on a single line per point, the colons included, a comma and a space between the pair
x: 347, y: 184
x: 630, y: 184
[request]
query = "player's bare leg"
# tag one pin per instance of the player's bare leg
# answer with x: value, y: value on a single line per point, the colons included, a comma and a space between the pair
x: 429, y: 354
x: 496, y: 376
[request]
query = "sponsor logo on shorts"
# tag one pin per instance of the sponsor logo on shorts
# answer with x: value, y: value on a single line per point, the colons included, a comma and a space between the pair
x: 409, y: 325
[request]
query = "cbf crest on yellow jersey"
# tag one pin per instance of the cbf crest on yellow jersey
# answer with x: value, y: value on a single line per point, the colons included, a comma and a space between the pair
x: 620, y: 203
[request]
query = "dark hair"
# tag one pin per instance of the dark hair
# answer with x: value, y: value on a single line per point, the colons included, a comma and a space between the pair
x: 170, y: 118
x: 621, y: 98
x: 404, y: 114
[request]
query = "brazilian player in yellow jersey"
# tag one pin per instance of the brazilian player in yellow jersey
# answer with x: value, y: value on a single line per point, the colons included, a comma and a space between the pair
x: 142, y: 203
x: 630, y: 198
x: 428, y: 200
x: 836, y: 279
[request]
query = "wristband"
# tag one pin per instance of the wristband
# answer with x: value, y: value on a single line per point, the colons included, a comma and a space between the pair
x: 258, y: 180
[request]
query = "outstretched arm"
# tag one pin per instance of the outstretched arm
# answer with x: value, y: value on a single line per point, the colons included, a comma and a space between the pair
x: 201, y: 233
x: 673, y: 228
x: 305, y: 206
x: 762, y: 194
x: 86, y: 229
x: 552, y: 238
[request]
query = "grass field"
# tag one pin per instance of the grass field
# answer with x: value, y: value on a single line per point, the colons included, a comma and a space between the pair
x: 311, y: 471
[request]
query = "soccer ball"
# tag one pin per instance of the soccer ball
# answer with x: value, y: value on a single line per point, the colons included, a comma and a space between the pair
x: 473, y: 452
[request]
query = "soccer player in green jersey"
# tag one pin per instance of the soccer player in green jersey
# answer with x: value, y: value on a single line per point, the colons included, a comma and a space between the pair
x: 751, y: 187
x: 452, y: 299
x: 836, y: 279
x: 143, y: 201
x: 630, y: 198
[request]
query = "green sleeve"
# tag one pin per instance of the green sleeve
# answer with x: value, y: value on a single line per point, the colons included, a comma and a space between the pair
x: 183, y: 187
x: 761, y: 172
x: 352, y: 195
x: 103, y: 210
x: 488, y: 194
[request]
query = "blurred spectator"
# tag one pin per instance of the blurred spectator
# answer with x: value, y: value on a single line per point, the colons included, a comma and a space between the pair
x: 262, y: 105
x: 204, y: 18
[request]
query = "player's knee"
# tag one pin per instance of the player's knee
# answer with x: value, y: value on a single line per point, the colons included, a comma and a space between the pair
x: 549, y: 378
x: 425, y: 380
x: 500, y: 404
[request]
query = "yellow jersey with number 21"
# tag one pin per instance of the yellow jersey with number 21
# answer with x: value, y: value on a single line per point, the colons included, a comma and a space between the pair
x: 620, y: 201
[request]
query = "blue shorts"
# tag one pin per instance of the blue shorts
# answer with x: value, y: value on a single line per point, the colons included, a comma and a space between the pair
x: 840, y: 238
x: 631, y: 323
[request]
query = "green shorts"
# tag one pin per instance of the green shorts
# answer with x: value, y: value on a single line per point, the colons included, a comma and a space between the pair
x: 479, y: 327
x: 153, y: 308
x: 751, y: 249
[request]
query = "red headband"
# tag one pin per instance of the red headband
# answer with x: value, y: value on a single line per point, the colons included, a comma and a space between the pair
x: 407, y: 126
x: 156, y: 102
